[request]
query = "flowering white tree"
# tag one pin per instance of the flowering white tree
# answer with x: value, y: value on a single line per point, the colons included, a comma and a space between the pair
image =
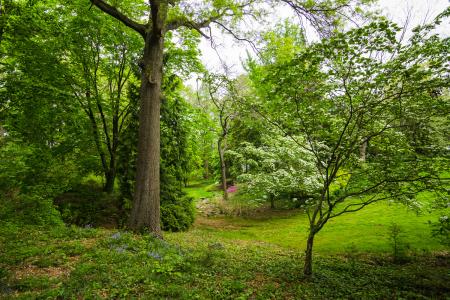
x: 276, y: 167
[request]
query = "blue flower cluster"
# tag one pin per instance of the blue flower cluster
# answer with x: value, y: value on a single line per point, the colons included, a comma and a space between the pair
x: 121, y: 249
x: 116, y: 236
x: 155, y: 255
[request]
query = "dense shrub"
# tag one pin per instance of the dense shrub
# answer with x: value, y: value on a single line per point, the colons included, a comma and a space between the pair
x: 87, y: 205
x: 30, y: 176
x: 178, y: 216
x: 29, y: 209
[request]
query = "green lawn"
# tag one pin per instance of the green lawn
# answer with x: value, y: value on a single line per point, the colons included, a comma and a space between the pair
x: 201, y: 189
x: 367, y: 230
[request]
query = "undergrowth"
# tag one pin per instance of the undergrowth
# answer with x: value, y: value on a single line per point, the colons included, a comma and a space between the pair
x: 71, y: 262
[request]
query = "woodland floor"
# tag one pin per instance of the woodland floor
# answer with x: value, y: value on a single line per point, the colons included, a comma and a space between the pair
x: 254, y: 257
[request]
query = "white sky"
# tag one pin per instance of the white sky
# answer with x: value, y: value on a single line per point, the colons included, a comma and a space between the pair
x: 233, y: 53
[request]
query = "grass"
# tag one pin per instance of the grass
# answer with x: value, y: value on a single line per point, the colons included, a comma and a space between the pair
x: 366, y: 230
x: 202, y: 189
x: 257, y: 257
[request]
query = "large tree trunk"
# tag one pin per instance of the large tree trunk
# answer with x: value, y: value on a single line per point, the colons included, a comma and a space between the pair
x: 146, y: 207
x: 223, y: 169
x: 307, y: 269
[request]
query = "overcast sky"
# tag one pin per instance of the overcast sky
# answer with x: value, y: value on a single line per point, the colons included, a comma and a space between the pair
x: 234, y: 53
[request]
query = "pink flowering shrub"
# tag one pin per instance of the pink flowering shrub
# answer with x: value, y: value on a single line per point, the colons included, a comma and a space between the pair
x: 232, y: 189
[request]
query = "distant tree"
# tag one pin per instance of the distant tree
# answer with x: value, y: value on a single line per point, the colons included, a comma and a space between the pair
x: 223, y: 93
x: 352, y: 88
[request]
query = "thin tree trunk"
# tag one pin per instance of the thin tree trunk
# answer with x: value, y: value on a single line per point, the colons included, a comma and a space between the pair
x: 146, y: 207
x: 97, y: 140
x: 272, y: 202
x: 206, y: 169
x: 110, y: 176
x: 108, y: 187
x: 363, y: 150
x: 307, y: 269
x: 112, y: 171
x: 223, y: 169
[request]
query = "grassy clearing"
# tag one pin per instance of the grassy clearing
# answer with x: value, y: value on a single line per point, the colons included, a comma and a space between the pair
x: 202, y: 189
x: 366, y: 230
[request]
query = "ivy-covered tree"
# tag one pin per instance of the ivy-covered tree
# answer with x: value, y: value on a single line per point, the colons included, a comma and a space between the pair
x: 177, y: 211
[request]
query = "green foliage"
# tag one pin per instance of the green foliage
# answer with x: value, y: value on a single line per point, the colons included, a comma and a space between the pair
x: 441, y: 230
x: 282, y: 43
x: 178, y: 216
x: 30, y: 209
x: 29, y: 179
x: 202, y: 140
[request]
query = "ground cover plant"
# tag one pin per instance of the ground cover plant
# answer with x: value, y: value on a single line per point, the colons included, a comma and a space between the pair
x: 228, y: 258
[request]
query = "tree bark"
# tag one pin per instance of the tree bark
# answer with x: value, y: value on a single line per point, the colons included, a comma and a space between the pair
x: 146, y: 207
x: 272, y: 201
x: 307, y: 269
x: 205, y: 168
x: 223, y: 168
x: 110, y: 177
x: 363, y: 150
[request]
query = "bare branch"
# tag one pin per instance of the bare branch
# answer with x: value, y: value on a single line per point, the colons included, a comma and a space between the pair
x: 358, y: 206
x: 228, y: 30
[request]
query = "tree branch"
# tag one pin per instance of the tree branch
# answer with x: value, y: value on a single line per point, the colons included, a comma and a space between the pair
x: 237, y: 37
x: 115, y: 13
x: 184, y: 22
